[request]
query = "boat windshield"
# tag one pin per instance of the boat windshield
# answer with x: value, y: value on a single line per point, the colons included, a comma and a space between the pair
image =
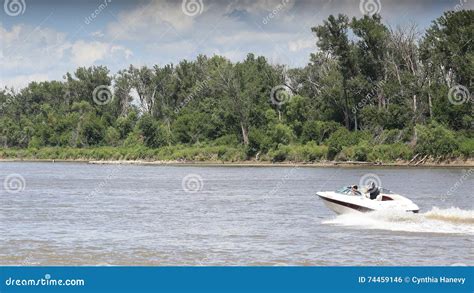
x: 345, y: 190
x: 385, y: 191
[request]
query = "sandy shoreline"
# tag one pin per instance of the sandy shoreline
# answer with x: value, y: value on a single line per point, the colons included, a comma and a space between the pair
x: 453, y: 164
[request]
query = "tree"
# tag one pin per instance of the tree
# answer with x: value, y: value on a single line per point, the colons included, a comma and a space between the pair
x: 447, y: 52
x: 333, y: 38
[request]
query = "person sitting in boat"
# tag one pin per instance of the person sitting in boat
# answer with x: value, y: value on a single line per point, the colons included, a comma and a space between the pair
x: 355, y: 190
x: 373, y: 191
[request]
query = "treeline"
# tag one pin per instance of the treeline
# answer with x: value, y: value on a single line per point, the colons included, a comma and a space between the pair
x: 370, y: 93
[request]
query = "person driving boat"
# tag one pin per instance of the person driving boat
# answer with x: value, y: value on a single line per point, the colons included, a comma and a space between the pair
x: 373, y: 191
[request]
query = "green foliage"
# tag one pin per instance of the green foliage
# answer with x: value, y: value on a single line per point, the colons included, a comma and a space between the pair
x: 358, y: 152
x: 390, y: 152
x: 112, y: 136
x: 378, y: 83
x: 281, y: 134
x: 466, y: 147
x: 318, y: 131
x: 125, y: 124
x: 342, y: 138
x: 436, y: 140
x: 258, y: 142
x: 151, y: 131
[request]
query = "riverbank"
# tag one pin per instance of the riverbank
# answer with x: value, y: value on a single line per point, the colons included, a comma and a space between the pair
x: 211, y: 156
x: 345, y: 164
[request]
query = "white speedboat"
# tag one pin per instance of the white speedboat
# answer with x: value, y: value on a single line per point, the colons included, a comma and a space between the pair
x: 346, y: 200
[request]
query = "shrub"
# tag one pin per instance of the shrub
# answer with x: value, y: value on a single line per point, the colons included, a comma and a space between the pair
x: 133, y: 139
x: 230, y: 140
x: 436, y: 140
x: 352, y: 153
x: 342, y: 138
x: 318, y: 131
x: 279, y: 155
x: 281, y: 134
x: 466, y: 147
x: 258, y: 142
x: 390, y: 152
x: 153, y: 135
x: 112, y: 136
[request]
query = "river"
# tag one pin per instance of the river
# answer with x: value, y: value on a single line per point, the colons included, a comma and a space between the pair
x: 84, y: 214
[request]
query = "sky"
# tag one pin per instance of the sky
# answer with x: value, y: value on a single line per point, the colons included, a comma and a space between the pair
x: 44, y: 39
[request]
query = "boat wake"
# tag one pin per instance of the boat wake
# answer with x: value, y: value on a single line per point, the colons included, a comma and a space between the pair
x: 452, y: 220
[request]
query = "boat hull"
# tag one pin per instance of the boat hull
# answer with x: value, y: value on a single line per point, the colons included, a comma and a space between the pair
x: 342, y: 204
x: 340, y: 207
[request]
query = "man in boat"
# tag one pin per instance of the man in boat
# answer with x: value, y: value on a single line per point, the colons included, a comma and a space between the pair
x: 373, y: 191
x: 355, y: 190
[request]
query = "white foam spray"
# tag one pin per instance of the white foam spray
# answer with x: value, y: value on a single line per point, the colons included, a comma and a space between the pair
x: 451, y: 220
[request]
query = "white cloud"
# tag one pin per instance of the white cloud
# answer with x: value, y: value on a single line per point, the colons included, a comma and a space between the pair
x: 29, y: 49
x: 127, y: 53
x: 159, y: 32
x: 256, y: 7
x: 97, y: 34
x: 86, y: 53
x: 21, y: 81
x: 28, y: 54
x: 252, y: 37
x: 156, y: 19
x: 300, y: 44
